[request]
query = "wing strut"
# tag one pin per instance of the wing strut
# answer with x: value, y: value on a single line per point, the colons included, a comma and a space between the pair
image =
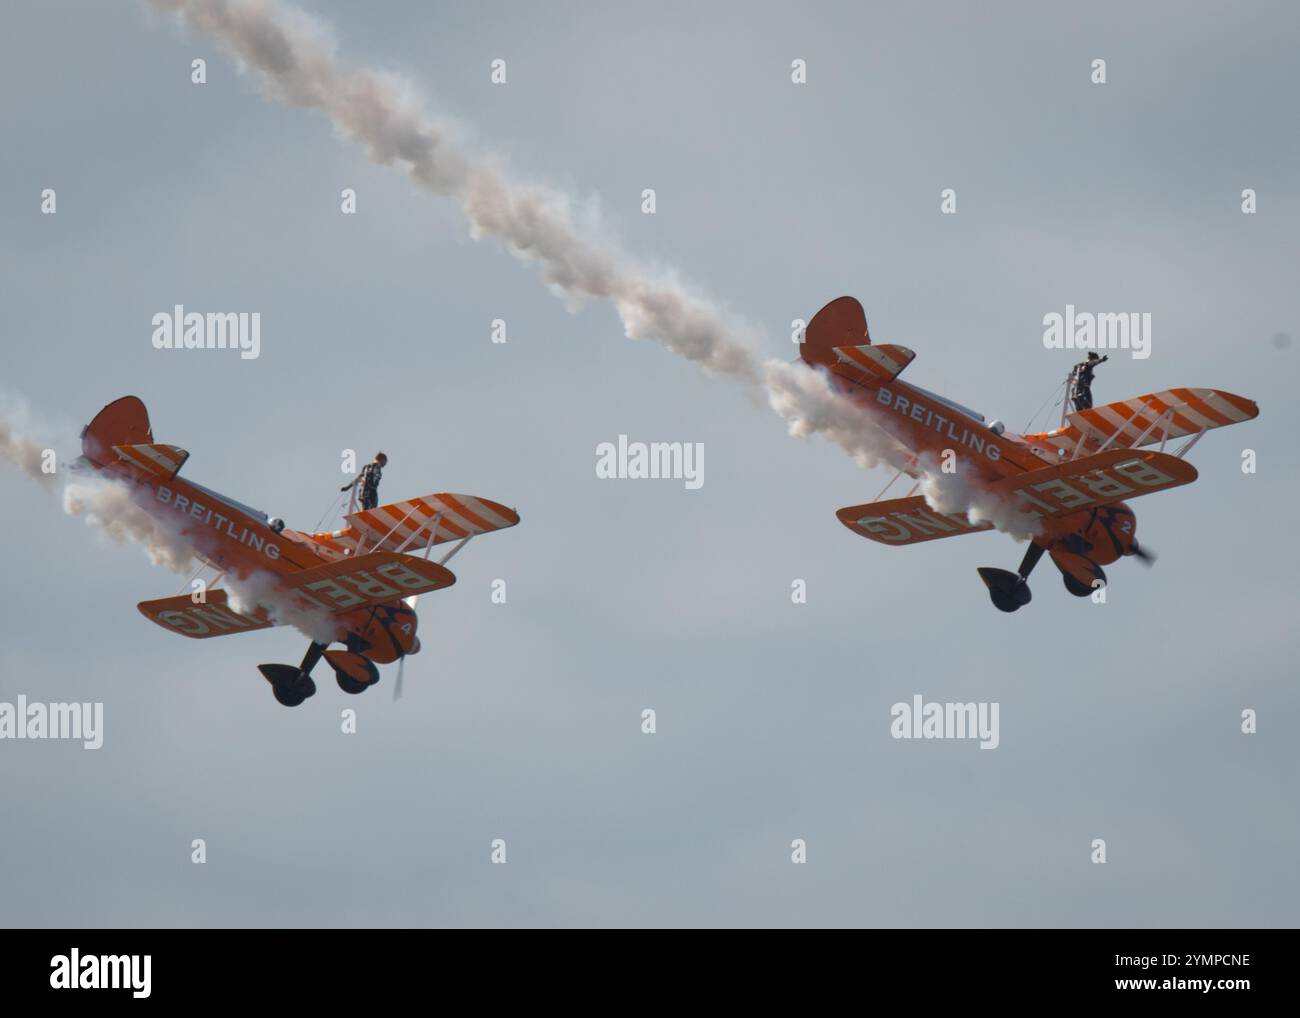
x: 459, y: 545
x: 1186, y: 447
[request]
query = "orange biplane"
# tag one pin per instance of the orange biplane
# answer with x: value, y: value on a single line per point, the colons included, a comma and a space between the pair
x: 357, y: 586
x: 1071, y: 481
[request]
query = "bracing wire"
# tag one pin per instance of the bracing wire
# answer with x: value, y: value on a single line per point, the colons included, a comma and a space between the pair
x: 333, y: 506
x: 1049, y: 399
x: 189, y: 584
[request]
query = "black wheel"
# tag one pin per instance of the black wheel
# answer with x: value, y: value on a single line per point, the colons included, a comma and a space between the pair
x: 354, y: 686
x: 1075, y: 587
x: 289, y: 685
x: 1007, y: 590
x: 288, y: 694
x: 1003, y: 601
x: 350, y: 685
x: 1083, y: 589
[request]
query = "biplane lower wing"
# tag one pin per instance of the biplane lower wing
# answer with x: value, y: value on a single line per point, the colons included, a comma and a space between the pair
x: 905, y: 521
x: 1115, y: 475
x: 1147, y: 419
x: 310, y: 596
x: 214, y: 617
x: 1076, y: 485
x: 417, y: 522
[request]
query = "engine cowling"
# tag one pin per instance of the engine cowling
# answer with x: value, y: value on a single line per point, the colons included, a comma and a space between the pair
x: 388, y: 632
x: 1110, y: 533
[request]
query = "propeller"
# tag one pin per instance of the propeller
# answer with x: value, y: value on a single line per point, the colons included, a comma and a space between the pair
x: 1143, y: 555
x: 401, y: 664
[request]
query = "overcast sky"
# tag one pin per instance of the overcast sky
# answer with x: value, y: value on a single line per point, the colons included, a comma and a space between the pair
x: 522, y: 721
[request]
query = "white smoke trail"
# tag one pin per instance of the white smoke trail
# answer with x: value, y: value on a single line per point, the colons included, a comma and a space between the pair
x: 262, y: 589
x: 105, y: 505
x: 807, y: 401
x: 30, y: 456
x: 952, y: 493
x: 297, y: 63
x: 108, y: 507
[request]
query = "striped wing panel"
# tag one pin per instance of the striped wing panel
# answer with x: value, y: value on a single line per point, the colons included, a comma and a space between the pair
x: 883, y: 361
x: 1185, y: 411
x: 157, y: 459
x: 444, y: 516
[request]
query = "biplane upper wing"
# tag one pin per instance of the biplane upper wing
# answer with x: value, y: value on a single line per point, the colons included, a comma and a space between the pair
x: 417, y: 522
x: 905, y: 521
x: 310, y: 595
x: 1153, y: 417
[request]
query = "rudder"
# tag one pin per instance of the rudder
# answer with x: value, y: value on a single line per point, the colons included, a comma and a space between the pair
x: 842, y: 322
x: 125, y: 421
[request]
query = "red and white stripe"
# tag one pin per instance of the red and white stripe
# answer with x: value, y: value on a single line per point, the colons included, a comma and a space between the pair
x: 154, y: 459
x: 412, y: 523
x: 1188, y: 410
x: 884, y: 361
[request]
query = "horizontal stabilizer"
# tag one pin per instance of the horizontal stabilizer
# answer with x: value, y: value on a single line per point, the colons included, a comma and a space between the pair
x: 153, y: 459
x: 880, y: 363
x: 309, y: 596
x: 905, y: 521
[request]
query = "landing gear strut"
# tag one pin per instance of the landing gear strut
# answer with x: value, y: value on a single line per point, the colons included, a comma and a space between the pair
x: 1009, y: 591
x: 290, y: 685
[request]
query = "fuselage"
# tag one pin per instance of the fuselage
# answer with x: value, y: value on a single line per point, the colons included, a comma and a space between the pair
x: 242, y: 543
x: 931, y: 427
x: 223, y: 533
